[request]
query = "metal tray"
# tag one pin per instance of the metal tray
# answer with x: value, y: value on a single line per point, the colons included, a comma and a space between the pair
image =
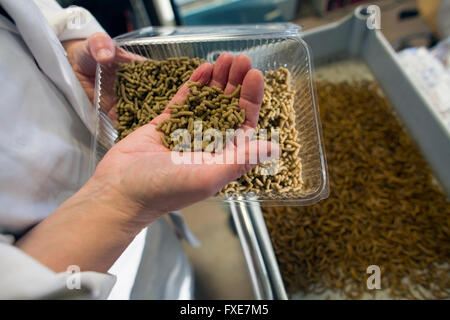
x: 349, y: 39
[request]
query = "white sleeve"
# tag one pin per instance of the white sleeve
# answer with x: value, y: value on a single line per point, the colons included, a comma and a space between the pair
x: 69, y: 23
x: 25, y: 278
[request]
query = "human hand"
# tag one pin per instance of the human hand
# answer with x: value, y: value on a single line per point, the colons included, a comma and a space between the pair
x: 137, y: 182
x: 83, y: 56
x: 140, y: 170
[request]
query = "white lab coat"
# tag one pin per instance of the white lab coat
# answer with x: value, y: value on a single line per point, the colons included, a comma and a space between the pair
x: 46, y: 128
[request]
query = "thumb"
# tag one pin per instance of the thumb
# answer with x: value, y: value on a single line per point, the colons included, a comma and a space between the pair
x: 101, y: 47
x: 236, y: 161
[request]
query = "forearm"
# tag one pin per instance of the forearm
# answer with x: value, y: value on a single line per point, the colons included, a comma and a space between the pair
x: 90, y: 230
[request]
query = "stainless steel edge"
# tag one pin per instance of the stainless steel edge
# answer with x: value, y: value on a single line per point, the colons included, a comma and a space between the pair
x: 259, y: 276
x: 417, y: 114
x: 265, y: 244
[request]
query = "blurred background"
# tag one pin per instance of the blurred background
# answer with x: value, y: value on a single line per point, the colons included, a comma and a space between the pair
x: 404, y: 22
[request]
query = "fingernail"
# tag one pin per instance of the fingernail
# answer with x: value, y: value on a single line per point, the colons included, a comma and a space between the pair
x: 104, y: 54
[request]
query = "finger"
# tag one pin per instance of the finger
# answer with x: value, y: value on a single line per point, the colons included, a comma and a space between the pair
x: 239, y: 68
x: 241, y: 159
x: 250, y: 152
x: 250, y: 100
x: 123, y: 55
x: 202, y: 74
x: 101, y: 47
x: 163, y: 116
x: 221, y: 70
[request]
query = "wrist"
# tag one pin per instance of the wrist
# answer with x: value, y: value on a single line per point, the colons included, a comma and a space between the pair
x: 108, y: 203
x: 91, y: 229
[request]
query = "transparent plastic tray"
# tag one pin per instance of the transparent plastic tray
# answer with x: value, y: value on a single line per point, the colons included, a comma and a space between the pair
x: 269, y: 47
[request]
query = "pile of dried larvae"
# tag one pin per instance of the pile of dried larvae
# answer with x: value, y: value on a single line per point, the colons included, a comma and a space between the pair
x: 277, y: 113
x: 211, y: 108
x: 144, y: 89
x: 384, y: 208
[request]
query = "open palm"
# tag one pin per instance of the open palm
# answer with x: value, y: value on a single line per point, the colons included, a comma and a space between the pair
x: 140, y: 167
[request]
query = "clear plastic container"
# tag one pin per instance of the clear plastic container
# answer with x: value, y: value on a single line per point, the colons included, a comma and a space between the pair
x: 269, y: 47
